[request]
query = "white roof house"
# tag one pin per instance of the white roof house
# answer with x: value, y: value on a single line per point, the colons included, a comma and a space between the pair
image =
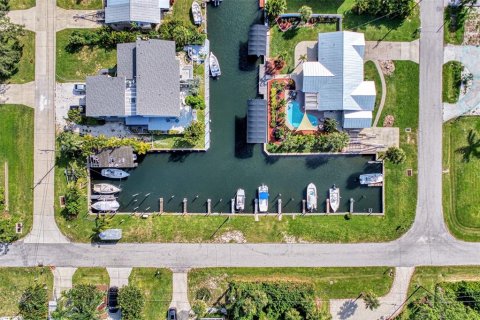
x: 335, y: 82
x: 140, y: 11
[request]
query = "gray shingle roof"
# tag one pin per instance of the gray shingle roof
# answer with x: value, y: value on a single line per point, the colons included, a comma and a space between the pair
x: 126, y: 60
x: 105, y: 96
x: 257, y: 121
x: 257, y: 40
x: 158, y: 79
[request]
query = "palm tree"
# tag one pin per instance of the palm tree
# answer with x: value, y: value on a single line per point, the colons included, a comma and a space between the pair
x: 371, y: 301
x: 472, y: 149
x: 305, y: 13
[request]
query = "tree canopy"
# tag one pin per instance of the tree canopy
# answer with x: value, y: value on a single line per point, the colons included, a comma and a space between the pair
x: 34, y: 302
x: 79, y: 303
x: 10, y: 46
x: 274, y: 8
x: 131, y: 302
x: 391, y: 8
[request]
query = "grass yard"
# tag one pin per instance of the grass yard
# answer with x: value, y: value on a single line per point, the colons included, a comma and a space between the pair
x: 80, y: 4
x: 16, y: 148
x: 371, y: 74
x: 460, y: 203
x: 156, y: 286
x: 379, y: 30
x: 329, y: 283
x: 452, y: 80
x: 14, y: 281
x: 26, y: 66
x: 453, y: 32
x: 88, y: 61
x: 95, y: 276
x: 21, y: 4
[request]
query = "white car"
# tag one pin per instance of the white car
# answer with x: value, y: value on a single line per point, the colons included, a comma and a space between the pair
x: 79, y: 88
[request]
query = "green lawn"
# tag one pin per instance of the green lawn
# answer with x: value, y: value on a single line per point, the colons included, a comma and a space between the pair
x: 95, y: 276
x: 21, y: 4
x: 16, y: 147
x: 428, y: 277
x: 453, y: 34
x: 156, y: 286
x: 452, y: 79
x: 75, y: 66
x: 329, y: 283
x: 460, y: 203
x: 26, y: 66
x: 379, y: 30
x: 371, y: 74
x: 14, y: 281
x: 80, y: 4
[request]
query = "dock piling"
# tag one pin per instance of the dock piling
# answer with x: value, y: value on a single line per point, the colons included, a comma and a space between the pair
x: 328, y: 206
x: 351, y: 205
x: 161, y: 205
x: 209, y: 206
x: 232, y: 205
x: 256, y: 206
x: 303, y: 206
x: 185, y: 211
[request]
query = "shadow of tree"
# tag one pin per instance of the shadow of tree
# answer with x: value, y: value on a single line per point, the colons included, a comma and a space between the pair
x: 472, y: 148
x: 347, y: 309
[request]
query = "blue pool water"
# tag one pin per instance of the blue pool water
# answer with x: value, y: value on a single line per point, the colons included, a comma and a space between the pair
x: 295, y: 115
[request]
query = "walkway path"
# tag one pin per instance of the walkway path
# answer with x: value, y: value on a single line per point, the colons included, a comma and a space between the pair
x: 384, y: 92
x: 119, y: 276
x: 385, y: 50
x: 62, y: 280
x: 470, y: 57
x: 343, y: 309
x: 18, y: 94
x: 180, y: 294
x: 44, y: 229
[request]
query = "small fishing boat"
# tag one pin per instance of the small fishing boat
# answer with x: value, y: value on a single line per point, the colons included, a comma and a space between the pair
x: 334, y: 197
x: 263, y: 198
x: 106, y: 206
x: 311, y: 197
x: 371, y: 178
x: 240, y: 200
x: 197, y: 13
x: 105, y: 188
x: 214, y: 66
x: 114, y: 173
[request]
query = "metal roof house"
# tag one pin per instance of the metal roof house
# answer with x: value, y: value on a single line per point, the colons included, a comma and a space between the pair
x: 146, y: 89
x: 135, y: 11
x: 335, y: 82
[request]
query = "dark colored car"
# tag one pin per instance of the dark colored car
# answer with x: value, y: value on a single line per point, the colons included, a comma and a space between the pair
x: 112, y: 299
x: 172, y: 314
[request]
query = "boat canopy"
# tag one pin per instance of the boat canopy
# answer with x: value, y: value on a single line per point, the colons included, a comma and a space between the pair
x: 257, y: 121
x: 263, y: 195
x: 257, y: 40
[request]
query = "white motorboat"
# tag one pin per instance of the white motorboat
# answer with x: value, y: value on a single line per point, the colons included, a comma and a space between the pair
x: 114, y: 173
x: 334, y: 197
x: 106, y: 206
x: 196, y: 13
x: 214, y: 66
x: 371, y: 178
x: 311, y: 197
x: 240, y: 200
x: 105, y: 188
x: 263, y: 198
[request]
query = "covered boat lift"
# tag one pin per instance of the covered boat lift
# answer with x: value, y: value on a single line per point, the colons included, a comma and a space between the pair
x: 257, y: 125
x: 257, y: 40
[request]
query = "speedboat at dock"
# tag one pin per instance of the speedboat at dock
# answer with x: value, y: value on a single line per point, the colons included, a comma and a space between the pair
x: 263, y: 198
x: 114, y: 173
x: 109, y: 206
x: 240, y: 200
x: 196, y: 13
x: 371, y: 179
x: 334, y: 197
x: 311, y: 197
x: 105, y: 188
x: 214, y: 66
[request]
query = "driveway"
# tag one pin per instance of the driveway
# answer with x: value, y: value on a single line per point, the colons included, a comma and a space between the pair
x: 386, y: 50
x: 18, y: 94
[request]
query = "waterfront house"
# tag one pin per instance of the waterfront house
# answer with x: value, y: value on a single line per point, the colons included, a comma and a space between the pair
x: 334, y: 84
x: 144, y: 13
x: 146, y: 90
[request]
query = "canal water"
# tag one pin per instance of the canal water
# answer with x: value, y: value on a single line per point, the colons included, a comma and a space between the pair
x: 230, y: 163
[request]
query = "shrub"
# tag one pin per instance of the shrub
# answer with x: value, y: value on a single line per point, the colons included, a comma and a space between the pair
x: 34, y: 303
x: 80, y: 302
x: 395, y: 155
x: 74, y: 115
x: 194, y: 133
x: 199, y: 307
x: 75, y: 200
x: 203, y: 294
x: 131, y: 302
x: 330, y: 125
x: 274, y: 8
x: 196, y: 102
x: 392, y: 8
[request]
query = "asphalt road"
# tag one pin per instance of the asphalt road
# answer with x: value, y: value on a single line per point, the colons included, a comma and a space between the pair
x: 427, y: 243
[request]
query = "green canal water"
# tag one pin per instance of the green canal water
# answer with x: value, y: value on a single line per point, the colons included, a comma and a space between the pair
x: 230, y: 163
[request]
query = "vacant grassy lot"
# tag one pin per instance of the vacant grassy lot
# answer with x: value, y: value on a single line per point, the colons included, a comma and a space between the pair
x: 371, y: 74
x: 75, y: 66
x: 384, y: 29
x: 80, y: 4
x: 26, y: 66
x: 14, y: 281
x: 16, y: 148
x: 460, y: 184
x: 95, y: 276
x: 329, y: 283
x: 452, y: 80
x: 21, y: 4
x: 156, y: 285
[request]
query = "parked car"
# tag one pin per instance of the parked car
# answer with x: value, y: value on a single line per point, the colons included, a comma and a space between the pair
x: 79, y: 88
x: 112, y: 299
x: 172, y: 314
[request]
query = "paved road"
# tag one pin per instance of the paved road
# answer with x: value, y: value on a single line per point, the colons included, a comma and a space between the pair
x: 427, y: 243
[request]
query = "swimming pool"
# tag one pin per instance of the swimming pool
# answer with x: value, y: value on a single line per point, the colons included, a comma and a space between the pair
x: 295, y: 115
